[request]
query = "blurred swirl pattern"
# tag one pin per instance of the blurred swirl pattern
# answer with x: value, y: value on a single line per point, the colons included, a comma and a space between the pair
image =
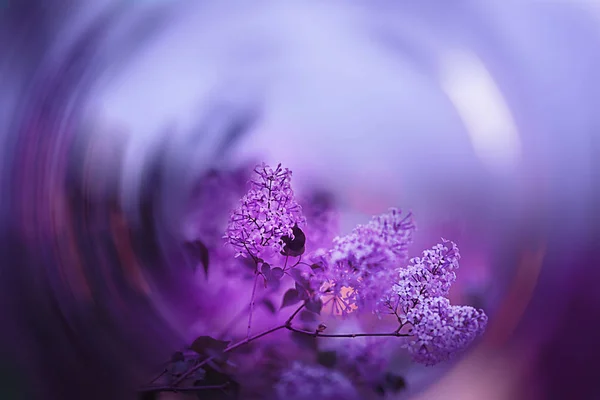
x: 117, y: 116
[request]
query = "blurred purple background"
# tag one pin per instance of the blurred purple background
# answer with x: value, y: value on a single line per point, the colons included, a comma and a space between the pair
x: 481, y: 117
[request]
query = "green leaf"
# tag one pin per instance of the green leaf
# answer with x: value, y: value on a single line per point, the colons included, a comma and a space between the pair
x: 290, y: 297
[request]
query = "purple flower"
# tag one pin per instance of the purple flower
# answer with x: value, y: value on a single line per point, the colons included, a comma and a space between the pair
x: 375, y: 246
x: 440, y: 330
x: 427, y: 276
x: 361, y: 266
x: 266, y: 214
x: 304, y: 382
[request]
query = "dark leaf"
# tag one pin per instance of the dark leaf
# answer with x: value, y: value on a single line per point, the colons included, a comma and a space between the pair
x: 198, y: 250
x: 300, y: 279
x: 314, y: 305
x: 395, y: 383
x: 290, y: 297
x: 209, y: 347
x: 294, y: 247
x: 277, y: 273
x: 274, y: 278
x: 305, y: 341
x: 266, y: 270
x: 302, y: 292
x: 287, y: 252
x: 274, y: 284
x: 268, y: 304
x: 327, y: 358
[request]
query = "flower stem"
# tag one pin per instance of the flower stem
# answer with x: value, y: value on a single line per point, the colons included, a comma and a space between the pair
x: 345, y: 335
x: 227, y: 350
x: 252, y: 303
x: 287, y: 325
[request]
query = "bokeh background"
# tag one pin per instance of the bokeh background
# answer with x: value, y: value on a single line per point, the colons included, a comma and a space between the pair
x: 480, y: 117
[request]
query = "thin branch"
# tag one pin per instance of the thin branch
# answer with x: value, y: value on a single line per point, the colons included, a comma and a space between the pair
x: 298, y: 262
x: 157, y: 377
x: 235, y: 320
x: 252, y: 303
x: 345, y: 335
x: 227, y: 350
x: 289, y: 320
x: 288, y: 326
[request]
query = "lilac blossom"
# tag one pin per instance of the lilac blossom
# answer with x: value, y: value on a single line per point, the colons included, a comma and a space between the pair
x: 440, y: 330
x: 267, y: 213
x: 417, y: 299
x: 428, y: 276
x: 366, y: 270
x: 361, y: 266
x: 303, y: 382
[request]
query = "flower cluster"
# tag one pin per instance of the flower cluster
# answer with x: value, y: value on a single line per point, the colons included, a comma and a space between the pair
x: 427, y: 276
x: 267, y: 214
x: 366, y: 270
x: 440, y: 330
x: 304, y: 382
x: 360, y: 266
